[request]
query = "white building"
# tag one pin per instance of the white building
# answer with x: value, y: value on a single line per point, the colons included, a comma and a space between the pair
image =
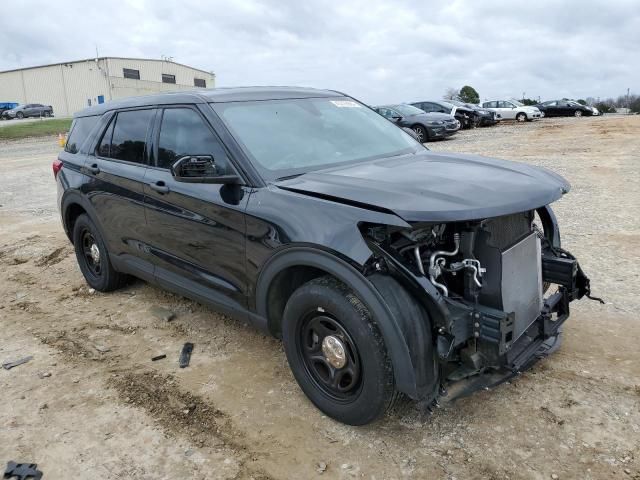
x: 72, y: 86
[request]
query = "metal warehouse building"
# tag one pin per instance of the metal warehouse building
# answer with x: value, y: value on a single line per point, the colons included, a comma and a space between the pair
x: 72, y: 86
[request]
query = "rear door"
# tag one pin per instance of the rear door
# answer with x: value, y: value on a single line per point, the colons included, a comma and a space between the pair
x: 197, y: 229
x: 117, y: 168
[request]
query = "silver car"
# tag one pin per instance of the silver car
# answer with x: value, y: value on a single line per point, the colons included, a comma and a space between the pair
x: 512, y: 110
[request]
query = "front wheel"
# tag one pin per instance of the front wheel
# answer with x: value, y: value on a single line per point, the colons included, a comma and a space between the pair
x: 20, y: 115
x: 421, y: 133
x: 521, y: 117
x: 577, y: 113
x: 336, y: 352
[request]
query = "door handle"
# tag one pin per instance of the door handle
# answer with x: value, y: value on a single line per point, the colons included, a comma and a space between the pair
x: 159, y: 187
x: 94, y: 169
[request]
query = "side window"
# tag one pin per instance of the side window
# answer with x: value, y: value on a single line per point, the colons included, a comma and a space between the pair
x: 184, y: 133
x: 126, y: 136
x: 80, y: 130
x: 385, y: 112
x: 427, y: 107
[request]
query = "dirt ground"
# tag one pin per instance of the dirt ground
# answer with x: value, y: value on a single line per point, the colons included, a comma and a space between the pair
x: 91, y: 404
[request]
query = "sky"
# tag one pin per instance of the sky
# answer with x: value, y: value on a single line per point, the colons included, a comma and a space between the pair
x: 377, y: 51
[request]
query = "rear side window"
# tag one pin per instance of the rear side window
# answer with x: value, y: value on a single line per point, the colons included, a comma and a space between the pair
x: 184, y: 133
x: 126, y: 136
x: 80, y: 131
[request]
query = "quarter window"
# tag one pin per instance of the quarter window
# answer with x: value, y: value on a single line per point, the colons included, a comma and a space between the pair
x: 131, y: 73
x: 80, y: 130
x: 200, y: 82
x: 166, y: 78
x: 183, y: 133
x: 126, y: 136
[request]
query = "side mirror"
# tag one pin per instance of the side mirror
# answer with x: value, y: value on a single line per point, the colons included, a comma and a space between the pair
x: 396, y: 119
x: 200, y: 169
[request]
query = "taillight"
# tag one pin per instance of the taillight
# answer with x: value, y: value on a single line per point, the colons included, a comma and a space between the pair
x: 57, y: 166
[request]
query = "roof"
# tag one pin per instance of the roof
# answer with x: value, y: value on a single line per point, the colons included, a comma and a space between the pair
x: 211, y: 95
x: 106, y: 58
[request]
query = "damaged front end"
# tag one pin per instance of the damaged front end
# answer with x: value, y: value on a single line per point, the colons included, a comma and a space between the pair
x: 496, y: 290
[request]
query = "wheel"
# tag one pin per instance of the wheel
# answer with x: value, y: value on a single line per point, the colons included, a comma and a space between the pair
x: 19, y: 115
x: 577, y: 113
x: 93, y: 257
x: 521, y: 117
x: 47, y: 113
x: 336, y: 352
x: 421, y: 133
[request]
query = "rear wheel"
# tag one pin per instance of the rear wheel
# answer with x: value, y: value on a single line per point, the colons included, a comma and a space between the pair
x: 336, y: 352
x: 93, y: 257
x: 577, y: 113
x: 47, y: 113
x: 521, y: 117
x: 421, y: 133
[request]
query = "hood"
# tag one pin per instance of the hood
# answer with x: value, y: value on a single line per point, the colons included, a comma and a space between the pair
x: 435, y: 187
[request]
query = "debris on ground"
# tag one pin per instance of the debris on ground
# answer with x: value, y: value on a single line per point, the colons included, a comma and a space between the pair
x: 22, y: 471
x: 158, y: 357
x: 185, y: 355
x: 102, y: 348
x: 162, y: 313
x: 10, y: 365
x: 321, y: 467
x: 44, y: 374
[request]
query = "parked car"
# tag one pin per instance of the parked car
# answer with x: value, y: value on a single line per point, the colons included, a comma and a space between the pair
x: 427, y: 126
x: 564, y: 108
x: 482, y: 117
x: 464, y: 115
x: 29, y: 110
x: 512, y: 110
x: 4, y: 106
x: 384, y: 267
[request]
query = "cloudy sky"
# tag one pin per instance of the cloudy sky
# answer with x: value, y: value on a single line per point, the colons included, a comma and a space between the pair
x: 378, y: 51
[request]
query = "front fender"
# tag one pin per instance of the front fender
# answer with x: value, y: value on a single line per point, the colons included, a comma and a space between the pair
x: 393, y: 328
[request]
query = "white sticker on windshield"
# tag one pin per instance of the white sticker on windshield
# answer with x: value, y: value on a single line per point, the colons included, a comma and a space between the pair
x: 346, y: 104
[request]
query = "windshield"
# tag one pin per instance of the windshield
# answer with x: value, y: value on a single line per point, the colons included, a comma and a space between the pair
x: 408, y: 110
x: 517, y: 103
x: 295, y: 136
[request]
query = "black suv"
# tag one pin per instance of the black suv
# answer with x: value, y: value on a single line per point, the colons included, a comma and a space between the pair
x: 384, y: 267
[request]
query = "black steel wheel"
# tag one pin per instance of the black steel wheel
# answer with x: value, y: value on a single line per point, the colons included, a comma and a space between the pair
x: 93, y: 257
x: 330, y: 356
x: 336, y: 352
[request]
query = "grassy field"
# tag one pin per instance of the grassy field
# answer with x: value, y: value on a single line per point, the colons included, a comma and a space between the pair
x: 35, y: 129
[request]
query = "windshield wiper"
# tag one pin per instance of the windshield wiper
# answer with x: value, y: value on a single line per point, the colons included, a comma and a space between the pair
x: 288, y: 177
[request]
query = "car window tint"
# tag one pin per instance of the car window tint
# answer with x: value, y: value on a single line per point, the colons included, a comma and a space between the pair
x: 105, y: 143
x: 129, y: 136
x: 79, y: 132
x: 183, y: 132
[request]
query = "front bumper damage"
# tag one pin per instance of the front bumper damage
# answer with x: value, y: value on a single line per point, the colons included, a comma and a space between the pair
x: 477, y: 349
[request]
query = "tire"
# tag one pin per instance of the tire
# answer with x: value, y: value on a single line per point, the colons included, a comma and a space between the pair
x: 323, y: 313
x: 577, y: 113
x: 521, y: 117
x: 421, y: 132
x: 47, y: 114
x: 95, y: 266
x: 20, y: 115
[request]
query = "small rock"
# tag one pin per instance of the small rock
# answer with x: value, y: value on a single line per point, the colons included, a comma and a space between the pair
x: 188, y: 452
x: 44, y: 406
x: 44, y: 374
x: 345, y: 466
x: 449, y: 453
x: 321, y: 467
x: 102, y: 348
x: 92, y: 291
x: 76, y: 380
x: 554, y: 476
x: 162, y: 313
x: 627, y: 471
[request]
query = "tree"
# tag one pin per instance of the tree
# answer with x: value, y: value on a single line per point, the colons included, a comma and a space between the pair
x: 528, y: 101
x: 468, y: 94
x: 450, y: 94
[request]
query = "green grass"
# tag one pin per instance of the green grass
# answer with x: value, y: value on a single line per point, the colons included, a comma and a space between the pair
x: 38, y: 128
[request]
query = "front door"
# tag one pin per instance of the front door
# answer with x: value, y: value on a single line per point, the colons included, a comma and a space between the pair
x: 117, y: 169
x: 197, y: 229
x: 507, y: 110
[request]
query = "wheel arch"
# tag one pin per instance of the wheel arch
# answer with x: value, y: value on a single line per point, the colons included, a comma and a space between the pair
x: 309, y: 262
x: 73, y: 205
